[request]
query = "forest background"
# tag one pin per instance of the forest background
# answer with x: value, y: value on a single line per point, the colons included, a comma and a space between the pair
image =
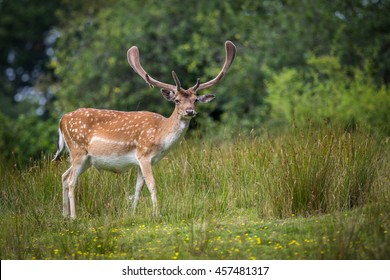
x: 298, y: 63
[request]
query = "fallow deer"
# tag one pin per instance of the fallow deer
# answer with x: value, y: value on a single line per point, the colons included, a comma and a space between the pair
x: 114, y: 140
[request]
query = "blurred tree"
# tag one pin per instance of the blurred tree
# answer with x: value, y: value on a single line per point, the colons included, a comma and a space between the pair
x: 25, y: 48
x: 363, y: 35
x: 26, y: 44
x: 27, y: 36
x: 328, y: 92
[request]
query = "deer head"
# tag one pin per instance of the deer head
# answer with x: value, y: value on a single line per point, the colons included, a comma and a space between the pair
x: 185, y: 99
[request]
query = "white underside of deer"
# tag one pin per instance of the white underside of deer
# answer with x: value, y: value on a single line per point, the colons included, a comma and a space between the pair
x: 114, y: 140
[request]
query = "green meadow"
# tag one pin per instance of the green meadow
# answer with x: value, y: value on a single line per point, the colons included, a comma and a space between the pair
x: 316, y: 193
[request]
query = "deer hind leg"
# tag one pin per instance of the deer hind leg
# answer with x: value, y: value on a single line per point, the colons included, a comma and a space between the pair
x: 146, y: 168
x: 77, y: 168
x: 138, y: 188
x: 65, y: 191
x: 72, y: 185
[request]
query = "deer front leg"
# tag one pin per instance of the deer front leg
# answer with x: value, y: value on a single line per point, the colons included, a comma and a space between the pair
x: 146, y: 168
x: 138, y: 188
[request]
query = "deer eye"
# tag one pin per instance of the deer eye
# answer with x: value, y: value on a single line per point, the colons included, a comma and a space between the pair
x: 177, y: 101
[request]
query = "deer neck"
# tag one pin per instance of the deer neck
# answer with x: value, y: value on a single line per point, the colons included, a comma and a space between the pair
x: 175, y: 128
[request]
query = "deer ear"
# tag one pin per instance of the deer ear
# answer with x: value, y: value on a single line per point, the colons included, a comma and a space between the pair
x: 168, y: 94
x: 205, y: 98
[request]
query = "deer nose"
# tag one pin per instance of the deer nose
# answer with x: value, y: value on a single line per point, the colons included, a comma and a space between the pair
x: 190, y: 112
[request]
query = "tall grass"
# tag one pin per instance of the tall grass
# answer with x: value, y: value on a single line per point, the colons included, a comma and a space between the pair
x: 303, y: 173
x: 203, y: 184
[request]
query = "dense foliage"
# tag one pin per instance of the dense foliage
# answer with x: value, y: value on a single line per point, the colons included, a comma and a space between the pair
x: 298, y: 62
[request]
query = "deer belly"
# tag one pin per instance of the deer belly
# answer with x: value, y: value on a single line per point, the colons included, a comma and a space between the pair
x: 114, y: 163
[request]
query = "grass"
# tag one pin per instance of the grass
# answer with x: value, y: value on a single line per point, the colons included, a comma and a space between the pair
x: 305, y: 194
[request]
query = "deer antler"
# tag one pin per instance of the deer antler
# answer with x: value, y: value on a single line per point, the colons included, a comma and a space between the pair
x: 177, y: 81
x: 133, y: 59
x: 195, y: 87
x: 230, y: 55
